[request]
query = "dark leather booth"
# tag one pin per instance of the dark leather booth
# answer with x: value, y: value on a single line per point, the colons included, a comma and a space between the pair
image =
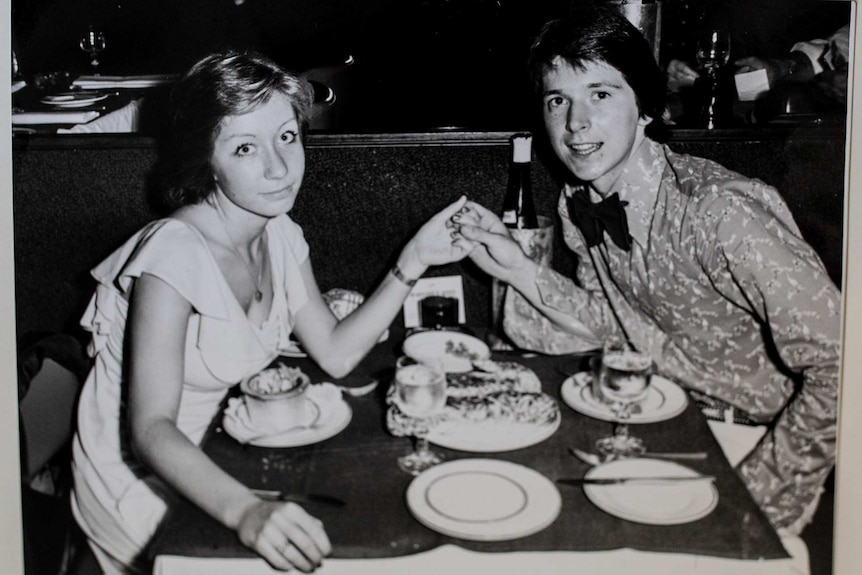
x: 76, y: 198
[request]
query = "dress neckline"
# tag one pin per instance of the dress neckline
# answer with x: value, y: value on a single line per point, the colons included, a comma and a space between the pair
x: 267, y: 322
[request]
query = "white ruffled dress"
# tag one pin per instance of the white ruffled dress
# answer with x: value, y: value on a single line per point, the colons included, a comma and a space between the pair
x: 116, y: 500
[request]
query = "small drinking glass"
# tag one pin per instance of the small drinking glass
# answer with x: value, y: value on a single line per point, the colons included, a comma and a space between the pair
x: 623, y: 381
x: 93, y: 43
x: 420, y: 390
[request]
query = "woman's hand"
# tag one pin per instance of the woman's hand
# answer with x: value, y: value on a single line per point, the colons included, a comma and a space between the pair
x: 495, y: 252
x: 437, y: 242
x: 285, y: 535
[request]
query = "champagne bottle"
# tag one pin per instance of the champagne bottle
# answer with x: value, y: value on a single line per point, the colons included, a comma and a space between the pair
x: 519, y: 213
x: 518, y: 209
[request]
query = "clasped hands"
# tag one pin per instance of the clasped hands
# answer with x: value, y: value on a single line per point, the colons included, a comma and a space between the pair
x: 467, y: 229
x: 483, y: 236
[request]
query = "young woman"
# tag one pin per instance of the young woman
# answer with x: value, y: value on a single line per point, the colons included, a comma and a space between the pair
x: 196, y: 301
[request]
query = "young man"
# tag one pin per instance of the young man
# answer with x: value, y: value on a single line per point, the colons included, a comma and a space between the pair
x: 709, y: 274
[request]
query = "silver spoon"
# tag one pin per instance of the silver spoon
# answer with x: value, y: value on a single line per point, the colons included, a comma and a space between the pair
x: 361, y: 390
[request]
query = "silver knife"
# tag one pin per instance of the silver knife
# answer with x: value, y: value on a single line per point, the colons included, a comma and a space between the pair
x: 620, y: 480
x: 273, y: 495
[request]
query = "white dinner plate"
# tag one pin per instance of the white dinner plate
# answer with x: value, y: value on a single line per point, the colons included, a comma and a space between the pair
x: 660, y: 503
x: 335, y: 416
x: 455, y: 350
x: 73, y: 99
x: 665, y: 400
x: 491, y: 437
x: 483, y: 499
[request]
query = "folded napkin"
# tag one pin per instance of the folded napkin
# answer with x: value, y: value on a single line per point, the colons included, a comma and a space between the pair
x: 21, y: 118
x: 750, y: 85
x: 122, y: 120
x: 325, y: 398
x: 145, y: 81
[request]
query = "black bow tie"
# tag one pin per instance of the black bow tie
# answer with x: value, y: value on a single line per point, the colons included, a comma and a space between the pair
x: 608, y: 215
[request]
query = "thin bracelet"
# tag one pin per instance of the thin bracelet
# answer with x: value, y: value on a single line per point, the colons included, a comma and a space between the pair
x: 396, y: 271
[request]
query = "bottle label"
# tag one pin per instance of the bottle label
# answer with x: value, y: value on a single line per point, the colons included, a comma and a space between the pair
x: 510, y: 217
x: 521, y: 149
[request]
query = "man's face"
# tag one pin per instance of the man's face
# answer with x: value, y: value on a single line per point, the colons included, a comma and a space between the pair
x: 592, y: 119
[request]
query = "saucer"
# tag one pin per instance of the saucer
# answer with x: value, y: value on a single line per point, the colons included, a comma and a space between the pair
x: 665, y: 400
x: 335, y: 416
x: 74, y: 99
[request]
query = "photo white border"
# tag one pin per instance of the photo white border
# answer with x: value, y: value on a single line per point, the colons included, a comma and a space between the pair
x: 848, y: 502
x: 11, y: 542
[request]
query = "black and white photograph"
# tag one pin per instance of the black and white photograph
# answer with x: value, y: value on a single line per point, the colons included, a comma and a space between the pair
x: 424, y: 286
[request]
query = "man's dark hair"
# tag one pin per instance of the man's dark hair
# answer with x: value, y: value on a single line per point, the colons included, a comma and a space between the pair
x: 599, y: 34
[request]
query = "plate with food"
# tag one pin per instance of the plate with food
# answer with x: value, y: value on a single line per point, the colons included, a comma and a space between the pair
x: 664, y: 400
x: 483, y: 499
x: 485, y: 412
x: 456, y: 351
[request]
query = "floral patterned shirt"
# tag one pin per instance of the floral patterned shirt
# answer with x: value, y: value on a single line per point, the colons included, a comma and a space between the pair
x: 722, y: 290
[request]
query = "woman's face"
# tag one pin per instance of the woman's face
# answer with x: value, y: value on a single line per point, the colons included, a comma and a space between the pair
x: 258, y: 159
x: 592, y: 119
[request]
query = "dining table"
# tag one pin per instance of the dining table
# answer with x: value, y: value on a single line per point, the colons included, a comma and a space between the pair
x: 378, y: 531
x: 56, y: 103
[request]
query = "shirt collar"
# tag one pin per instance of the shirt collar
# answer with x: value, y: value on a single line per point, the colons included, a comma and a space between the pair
x: 638, y: 185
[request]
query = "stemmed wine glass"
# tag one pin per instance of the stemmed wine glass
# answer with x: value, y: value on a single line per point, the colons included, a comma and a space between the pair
x: 92, y: 42
x: 623, y: 381
x: 420, y: 391
x: 713, y: 51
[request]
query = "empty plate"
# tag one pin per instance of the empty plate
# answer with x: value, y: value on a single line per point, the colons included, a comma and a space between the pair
x: 658, y: 503
x: 483, y: 500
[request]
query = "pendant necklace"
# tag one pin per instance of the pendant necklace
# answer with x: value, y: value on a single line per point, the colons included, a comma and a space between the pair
x: 258, y: 280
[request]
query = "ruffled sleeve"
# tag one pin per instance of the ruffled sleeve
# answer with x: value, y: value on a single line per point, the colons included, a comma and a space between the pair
x: 154, y: 250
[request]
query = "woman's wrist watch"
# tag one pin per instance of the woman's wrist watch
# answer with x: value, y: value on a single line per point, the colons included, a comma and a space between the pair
x: 399, y: 275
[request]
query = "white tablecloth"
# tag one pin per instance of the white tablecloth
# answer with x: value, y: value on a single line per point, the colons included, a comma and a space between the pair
x: 453, y: 560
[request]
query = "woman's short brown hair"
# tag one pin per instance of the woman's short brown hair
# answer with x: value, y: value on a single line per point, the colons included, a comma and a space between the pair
x: 223, y: 84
